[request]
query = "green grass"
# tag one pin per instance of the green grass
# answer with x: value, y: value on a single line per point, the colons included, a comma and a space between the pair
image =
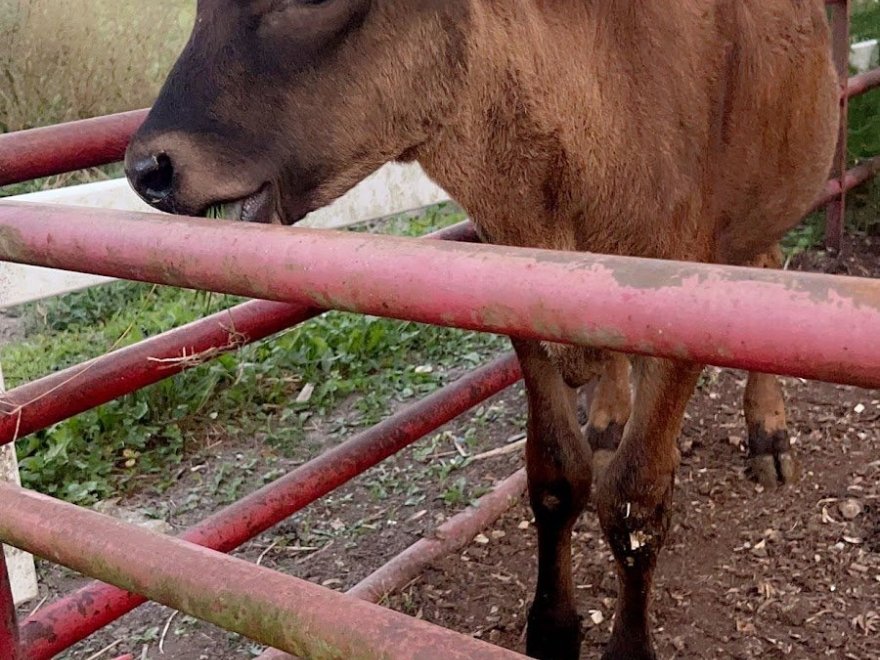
x: 865, y: 19
x: 864, y: 114
x: 251, y: 391
x: 863, y: 205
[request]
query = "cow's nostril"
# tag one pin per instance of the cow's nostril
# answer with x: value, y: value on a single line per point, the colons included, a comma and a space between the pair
x: 154, y: 178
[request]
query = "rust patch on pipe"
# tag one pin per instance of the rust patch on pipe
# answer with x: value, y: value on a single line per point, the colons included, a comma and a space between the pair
x: 13, y: 247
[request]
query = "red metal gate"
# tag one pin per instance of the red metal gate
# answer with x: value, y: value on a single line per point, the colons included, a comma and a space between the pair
x: 814, y: 326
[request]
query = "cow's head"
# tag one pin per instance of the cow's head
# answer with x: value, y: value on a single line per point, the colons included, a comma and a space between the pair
x: 283, y: 105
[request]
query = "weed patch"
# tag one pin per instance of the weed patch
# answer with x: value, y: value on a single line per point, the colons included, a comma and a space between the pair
x: 370, y: 362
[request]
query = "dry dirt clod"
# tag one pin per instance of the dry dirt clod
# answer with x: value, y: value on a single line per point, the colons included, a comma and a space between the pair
x: 850, y: 509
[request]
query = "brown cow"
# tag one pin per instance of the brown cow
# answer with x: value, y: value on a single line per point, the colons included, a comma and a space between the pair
x: 694, y: 130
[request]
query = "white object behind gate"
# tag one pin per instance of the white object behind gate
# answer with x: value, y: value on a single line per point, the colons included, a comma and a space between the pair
x: 393, y: 189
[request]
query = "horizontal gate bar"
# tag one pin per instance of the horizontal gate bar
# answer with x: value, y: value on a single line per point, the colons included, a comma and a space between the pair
x: 451, y: 536
x: 853, y: 178
x: 61, y: 395
x: 264, y: 605
x: 40, y: 152
x: 863, y: 82
x: 49, y: 400
x: 61, y: 624
x: 799, y: 324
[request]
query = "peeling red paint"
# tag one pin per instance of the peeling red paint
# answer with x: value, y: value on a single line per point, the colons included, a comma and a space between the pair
x: 813, y: 326
x: 40, y: 152
x: 293, y: 615
x: 61, y: 395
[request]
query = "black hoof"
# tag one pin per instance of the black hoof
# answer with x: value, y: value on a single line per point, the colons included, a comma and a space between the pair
x: 773, y: 470
x: 629, y: 649
x: 771, y: 461
x: 553, y: 637
x: 608, y: 438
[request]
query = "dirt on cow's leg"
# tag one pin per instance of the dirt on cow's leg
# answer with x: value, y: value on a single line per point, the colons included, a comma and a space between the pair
x: 634, y: 497
x: 558, y: 466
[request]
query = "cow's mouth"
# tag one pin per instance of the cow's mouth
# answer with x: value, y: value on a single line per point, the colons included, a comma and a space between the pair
x: 260, y: 207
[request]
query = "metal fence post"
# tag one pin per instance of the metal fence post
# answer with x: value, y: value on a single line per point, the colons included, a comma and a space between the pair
x: 834, y: 216
x: 20, y: 565
x: 9, y: 648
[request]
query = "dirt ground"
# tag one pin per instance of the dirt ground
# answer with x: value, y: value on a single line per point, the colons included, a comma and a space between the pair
x: 747, y: 572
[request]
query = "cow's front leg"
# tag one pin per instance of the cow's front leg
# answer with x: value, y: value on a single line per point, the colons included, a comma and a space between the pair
x: 558, y: 466
x: 634, y: 496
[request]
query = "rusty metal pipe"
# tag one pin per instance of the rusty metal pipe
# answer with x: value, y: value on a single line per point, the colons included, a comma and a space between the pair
x: 451, y: 536
x: 49, y: 400
x: 853, y: 178
x: 9, y: 644
x: 840, y: 45
x: 73, y: 618
x: 799, y: 324
x: 41, y: 403
x: 77, y: 145
x: 863, y: 82
x: 269, y: 607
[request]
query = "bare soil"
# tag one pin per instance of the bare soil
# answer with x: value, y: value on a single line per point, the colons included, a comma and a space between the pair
x: 747, y: 572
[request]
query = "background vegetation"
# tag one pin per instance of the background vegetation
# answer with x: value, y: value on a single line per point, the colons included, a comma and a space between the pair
x: 80, y: 58
x: 74, y: 59
x: 863, y: 210
x: 68, y: 60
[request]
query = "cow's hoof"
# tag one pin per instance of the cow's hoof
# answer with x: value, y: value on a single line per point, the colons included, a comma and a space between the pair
x: 553, y: 637
x: 773, y: 470
x: 621, y: 648
x: 771, y: 461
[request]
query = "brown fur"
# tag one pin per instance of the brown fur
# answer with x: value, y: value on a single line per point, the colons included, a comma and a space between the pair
x: 694, y: 130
